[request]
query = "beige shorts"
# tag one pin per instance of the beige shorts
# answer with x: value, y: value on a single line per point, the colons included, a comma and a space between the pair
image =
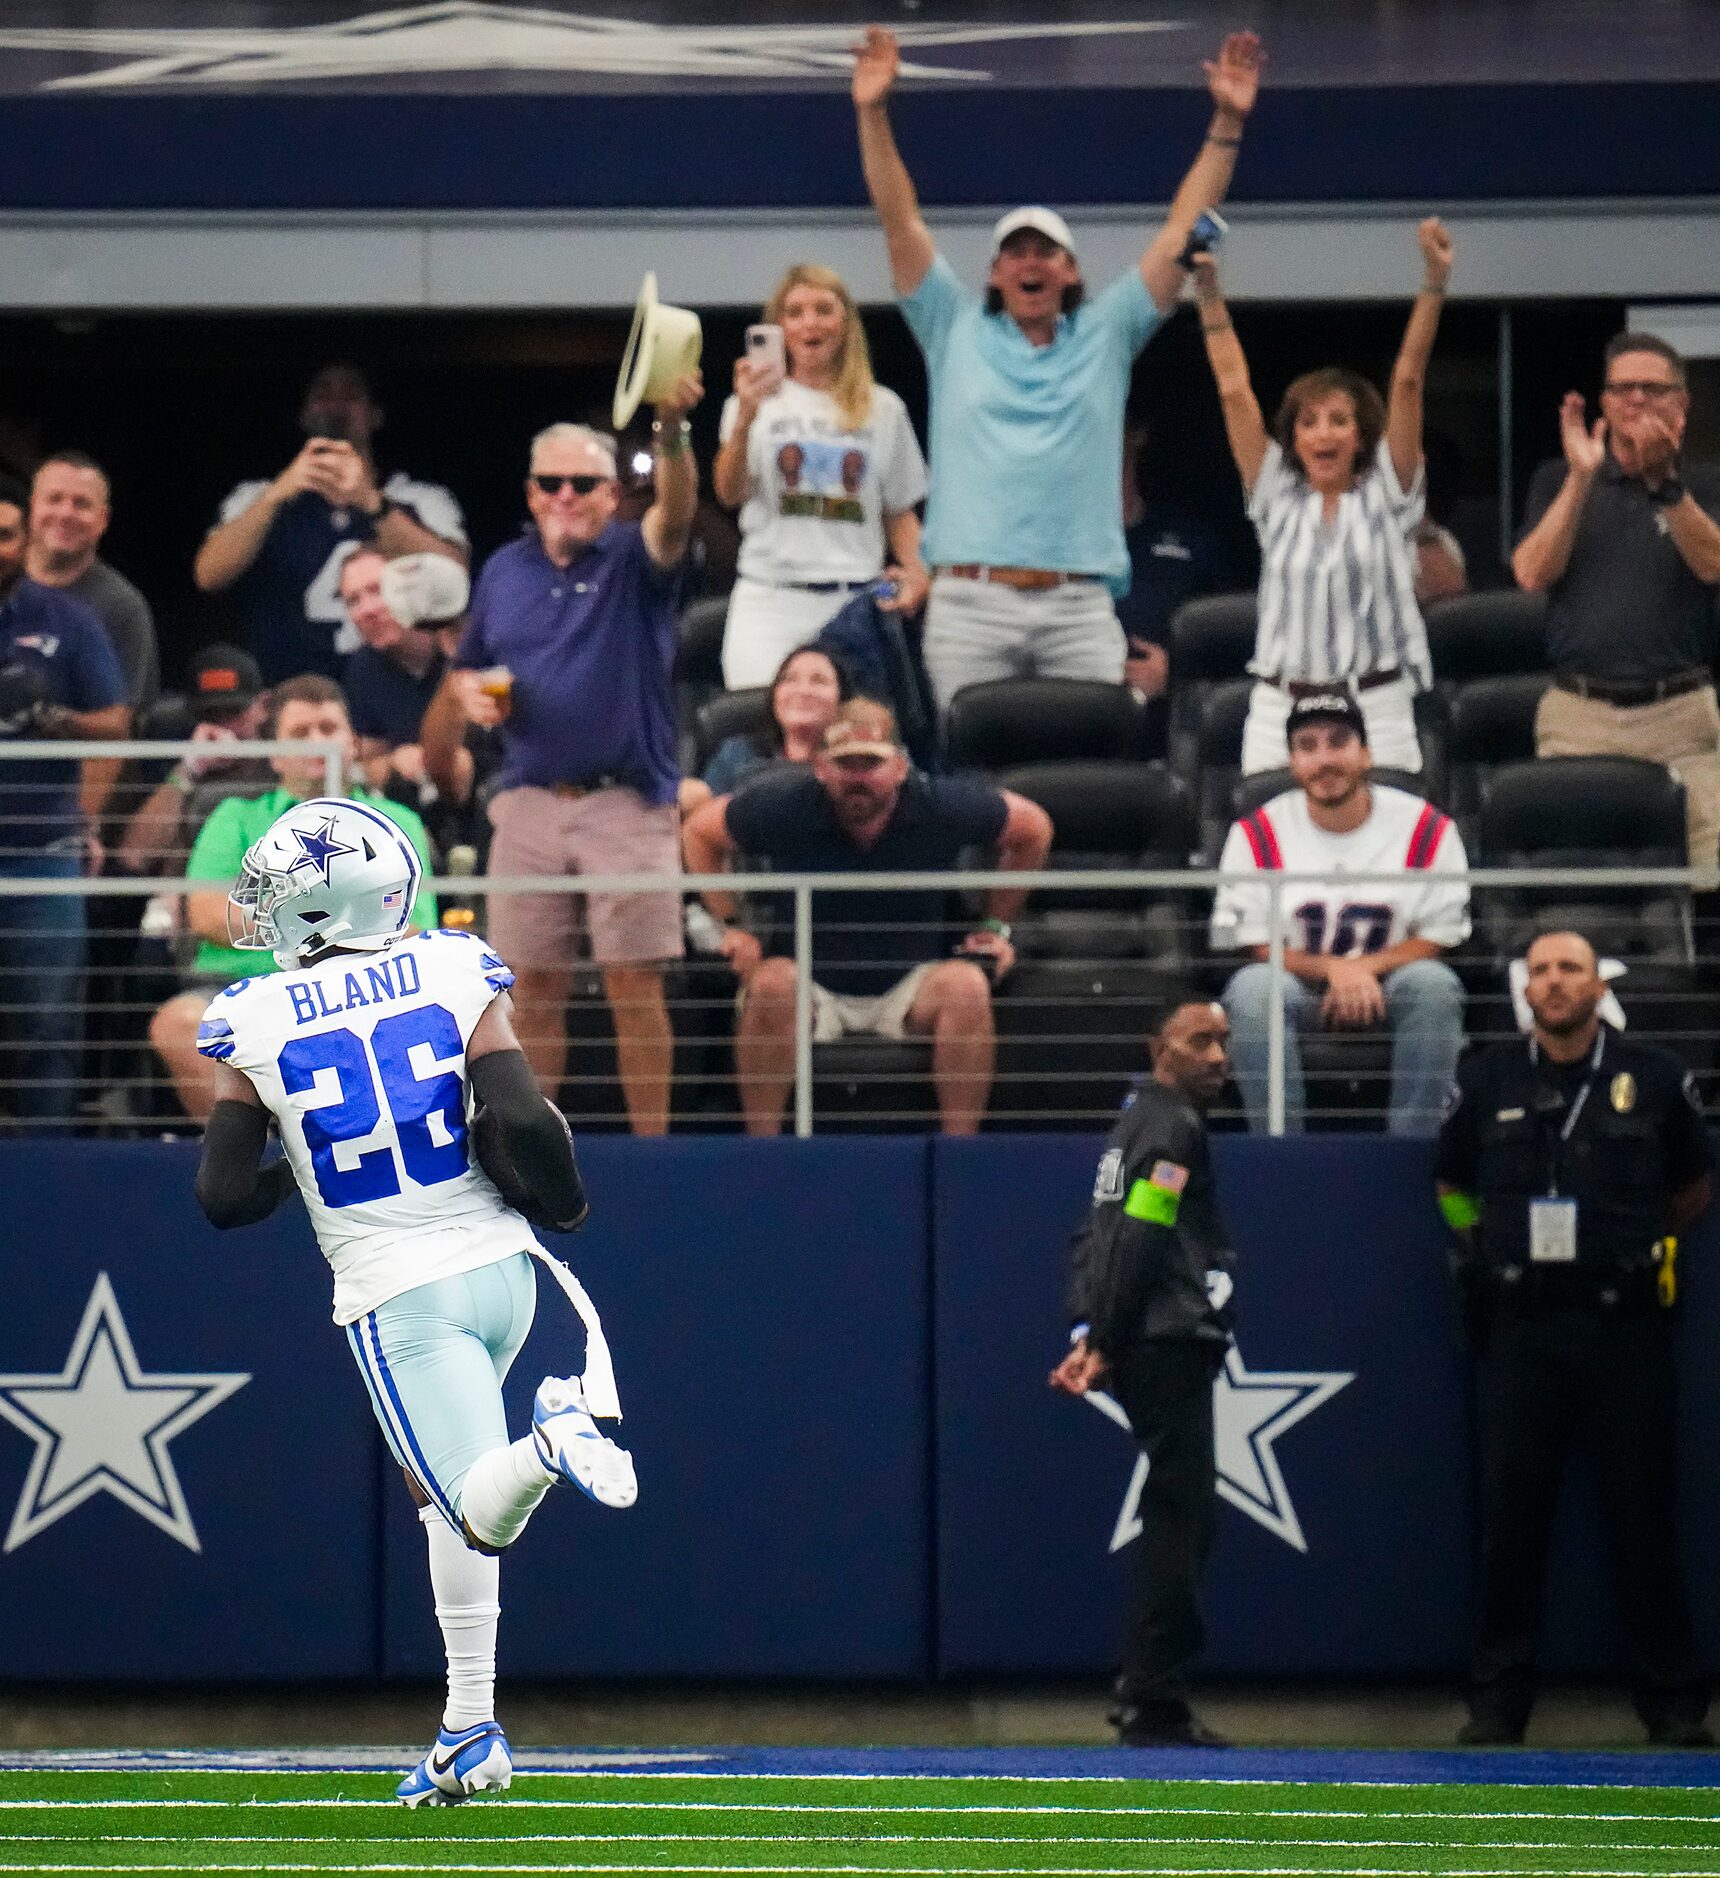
x: 836, y: 1014
x: 609, y: 831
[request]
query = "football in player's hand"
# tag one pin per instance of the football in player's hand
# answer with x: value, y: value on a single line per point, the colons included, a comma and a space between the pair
x: 493, y: 1157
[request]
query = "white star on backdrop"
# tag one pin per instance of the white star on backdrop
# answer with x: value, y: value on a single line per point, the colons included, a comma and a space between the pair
x: 102, y: 1426
x: 1250, y: 1411
x: 484, y: 36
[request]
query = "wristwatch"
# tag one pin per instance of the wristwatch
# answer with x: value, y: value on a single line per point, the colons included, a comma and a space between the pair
x: 1669, y: 494
x: 384, y: 506
x: 1001, y: 927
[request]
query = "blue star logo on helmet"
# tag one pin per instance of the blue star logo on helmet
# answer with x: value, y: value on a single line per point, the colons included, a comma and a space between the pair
x: 318, y: 847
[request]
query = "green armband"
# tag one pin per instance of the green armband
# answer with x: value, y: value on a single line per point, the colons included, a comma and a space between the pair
x: 1155, y: 1204
x: 1461, y: 1212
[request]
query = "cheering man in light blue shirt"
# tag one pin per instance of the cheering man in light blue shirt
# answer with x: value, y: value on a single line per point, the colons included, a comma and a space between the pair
x: 1024, y: 523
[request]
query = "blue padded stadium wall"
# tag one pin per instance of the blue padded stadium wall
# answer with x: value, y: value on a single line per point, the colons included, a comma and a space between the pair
x: 833, y: 1357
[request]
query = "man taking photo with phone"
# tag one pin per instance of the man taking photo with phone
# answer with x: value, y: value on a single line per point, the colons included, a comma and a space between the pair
x: 280, y: 544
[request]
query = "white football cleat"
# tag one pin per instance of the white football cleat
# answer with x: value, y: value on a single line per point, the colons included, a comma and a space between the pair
x: 572, y: 1444
x: 462, y: 1762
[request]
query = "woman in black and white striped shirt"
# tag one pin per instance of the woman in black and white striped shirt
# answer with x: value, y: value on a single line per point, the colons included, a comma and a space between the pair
x: 1334, y: 493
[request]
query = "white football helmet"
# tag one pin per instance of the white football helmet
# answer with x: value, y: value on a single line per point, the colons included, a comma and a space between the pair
x: 327, y: 873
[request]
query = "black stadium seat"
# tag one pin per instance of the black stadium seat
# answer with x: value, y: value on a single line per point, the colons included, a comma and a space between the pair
x: 1106, y: 815
x: 1621, y: 808
x: 1587, y: 811
x: 1218, y: 759
x: 1492, y: 723
x: 1213, y: 637
x: 1485, y: 635
x: 1072, y: 1014
x: 728, y: 714
x: 1583, y: 812
x: 1211, y: 641
x: 1007, y: 721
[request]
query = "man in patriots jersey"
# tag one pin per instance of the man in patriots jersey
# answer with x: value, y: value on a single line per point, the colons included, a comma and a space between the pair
x: 1362, y: 945
x: 281, y: 542
x: 367, y: 1050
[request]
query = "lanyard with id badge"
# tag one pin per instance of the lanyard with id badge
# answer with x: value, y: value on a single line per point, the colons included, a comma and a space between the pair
x: 1553, y: 1218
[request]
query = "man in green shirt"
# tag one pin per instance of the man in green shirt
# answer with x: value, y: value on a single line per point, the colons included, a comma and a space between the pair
x: 310, y: 709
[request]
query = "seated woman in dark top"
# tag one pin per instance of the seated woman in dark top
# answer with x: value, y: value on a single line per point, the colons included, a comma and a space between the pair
x: 808, y: 690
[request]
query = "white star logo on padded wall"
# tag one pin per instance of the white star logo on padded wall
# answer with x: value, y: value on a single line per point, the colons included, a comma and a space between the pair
x: 1251, y: 1409
x: 102, y: 1425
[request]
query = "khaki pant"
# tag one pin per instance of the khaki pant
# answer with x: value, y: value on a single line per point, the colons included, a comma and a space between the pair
x: 1682, y: 732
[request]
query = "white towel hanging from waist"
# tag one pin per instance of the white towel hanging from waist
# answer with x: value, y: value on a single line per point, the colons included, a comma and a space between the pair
x: 598, y: 1380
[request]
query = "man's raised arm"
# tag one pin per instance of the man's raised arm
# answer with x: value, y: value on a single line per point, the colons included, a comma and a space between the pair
x: 1233, y: 79
x: 888, y: 183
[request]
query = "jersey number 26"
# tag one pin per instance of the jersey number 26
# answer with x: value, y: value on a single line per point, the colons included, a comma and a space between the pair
x: 411, y: 1100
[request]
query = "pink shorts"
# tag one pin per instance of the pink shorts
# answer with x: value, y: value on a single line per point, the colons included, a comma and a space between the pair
x: 609, y: 831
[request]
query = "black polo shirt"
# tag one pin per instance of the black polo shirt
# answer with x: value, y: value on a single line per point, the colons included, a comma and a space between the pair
x: 1627, y: 606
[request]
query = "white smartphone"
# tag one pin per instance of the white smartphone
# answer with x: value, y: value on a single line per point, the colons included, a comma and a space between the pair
x: 767, y: 349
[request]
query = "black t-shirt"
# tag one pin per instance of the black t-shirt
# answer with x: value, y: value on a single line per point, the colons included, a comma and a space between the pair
x: 863, y: 941
x: 1638, y: 1138
x: 384, y: 699
x: 1152, y: 1258
x: 1627, y: 606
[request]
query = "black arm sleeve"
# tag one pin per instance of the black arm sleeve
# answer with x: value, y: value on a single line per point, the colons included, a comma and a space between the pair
x: 535, y: 1139
x: 1136, y: 1255
x: 233, y: 1187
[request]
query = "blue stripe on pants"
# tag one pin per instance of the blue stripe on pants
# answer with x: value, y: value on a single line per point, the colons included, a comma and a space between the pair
x: 433, y: 1360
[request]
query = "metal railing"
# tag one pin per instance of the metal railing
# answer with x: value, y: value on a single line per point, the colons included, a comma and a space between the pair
x: 1094, y: 947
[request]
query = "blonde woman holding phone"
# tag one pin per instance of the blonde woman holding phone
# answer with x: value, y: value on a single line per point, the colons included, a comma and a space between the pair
x: 824, y: 468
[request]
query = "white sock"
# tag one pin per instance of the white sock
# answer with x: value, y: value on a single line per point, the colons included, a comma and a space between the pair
x: 502, y: 1489
x: 467, y: 1587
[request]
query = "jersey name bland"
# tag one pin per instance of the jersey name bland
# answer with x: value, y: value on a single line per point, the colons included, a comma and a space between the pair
x: 392, y: 976
x: 361, y: 1059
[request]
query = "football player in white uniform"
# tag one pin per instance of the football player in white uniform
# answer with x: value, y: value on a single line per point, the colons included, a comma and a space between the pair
x: 415, y: 1132
x: 1358, y: 952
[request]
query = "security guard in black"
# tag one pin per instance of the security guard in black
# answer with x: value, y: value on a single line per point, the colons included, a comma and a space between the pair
x: 1568, y: 1163
x: 1149, y: 1299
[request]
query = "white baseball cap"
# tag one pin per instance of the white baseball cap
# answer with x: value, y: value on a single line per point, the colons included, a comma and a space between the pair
x: 1046, y: 222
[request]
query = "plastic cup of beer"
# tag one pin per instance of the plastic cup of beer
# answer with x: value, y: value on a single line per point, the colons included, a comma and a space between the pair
x: 498, y: 683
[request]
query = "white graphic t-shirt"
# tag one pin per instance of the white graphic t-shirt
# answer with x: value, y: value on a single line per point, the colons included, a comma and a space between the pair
x: 817, y: 494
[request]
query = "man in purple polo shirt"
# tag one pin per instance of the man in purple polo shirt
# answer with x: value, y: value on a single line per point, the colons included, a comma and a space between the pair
x: 569, y: 652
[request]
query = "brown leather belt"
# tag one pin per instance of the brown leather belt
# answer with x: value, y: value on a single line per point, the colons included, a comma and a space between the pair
x: 1370, y: 681
x: 1022, y: 579
x: 571, y: 792
x: 1630, y: 691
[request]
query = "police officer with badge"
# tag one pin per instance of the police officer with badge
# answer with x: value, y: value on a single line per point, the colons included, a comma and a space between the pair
x: 1149, y: 1296
x: 1569, y: 1162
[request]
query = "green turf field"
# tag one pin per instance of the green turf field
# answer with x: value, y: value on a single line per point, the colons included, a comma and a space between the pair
x: 552, y: 1823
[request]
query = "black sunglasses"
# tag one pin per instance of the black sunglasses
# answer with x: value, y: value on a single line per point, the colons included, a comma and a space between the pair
x: 580, y: 485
